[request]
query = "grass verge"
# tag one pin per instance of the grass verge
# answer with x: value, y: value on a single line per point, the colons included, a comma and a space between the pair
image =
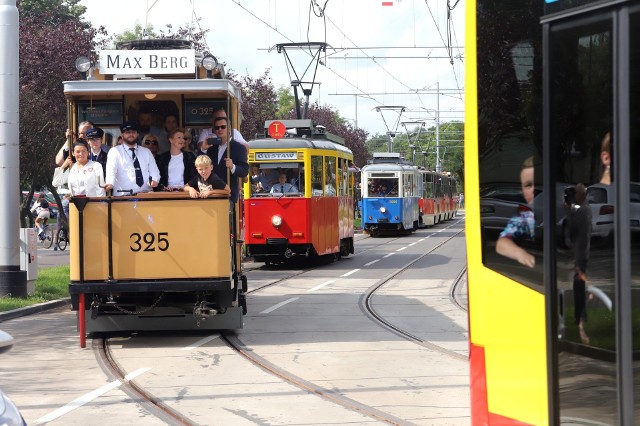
x: 51, y: 284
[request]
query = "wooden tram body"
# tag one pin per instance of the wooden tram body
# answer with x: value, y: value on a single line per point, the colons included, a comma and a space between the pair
x: 154, y: 261
x: 390, y: 194
x: 314, y: 220
x: 552, y: 342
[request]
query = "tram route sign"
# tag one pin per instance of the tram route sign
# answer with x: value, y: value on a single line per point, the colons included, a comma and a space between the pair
x: 101, y: 113
x: 277, y: 130
x: 198, y: 111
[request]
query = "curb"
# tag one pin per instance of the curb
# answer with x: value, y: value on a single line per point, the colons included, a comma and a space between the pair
x: 34, y: 309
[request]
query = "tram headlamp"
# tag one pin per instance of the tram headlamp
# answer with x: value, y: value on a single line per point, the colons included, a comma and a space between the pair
x: 209, y: 63
x: 82, y: 65
x: 276, y: 220
x: 383, y: 210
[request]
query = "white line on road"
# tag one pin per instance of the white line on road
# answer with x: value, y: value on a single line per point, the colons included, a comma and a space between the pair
x: 350, y: 273
x: 279, y: 305
x: 401, y: 248
x: 84, y: 399
x: 319, y: 286
x: 372, y: 262
x: 200, y: 342
x: 413, y: 244
x: 388, y: 255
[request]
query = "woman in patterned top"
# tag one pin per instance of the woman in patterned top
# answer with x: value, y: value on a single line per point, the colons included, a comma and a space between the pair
x: 207, y: 183
x: 522, y: 226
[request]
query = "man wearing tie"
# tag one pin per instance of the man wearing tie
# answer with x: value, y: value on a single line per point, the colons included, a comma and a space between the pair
x: 283, y: 187
x: 131, y: 168
x: 236, y: 163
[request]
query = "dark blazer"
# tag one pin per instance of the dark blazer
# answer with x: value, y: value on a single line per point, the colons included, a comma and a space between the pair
x: 189, y: 161
x: 239, y: 158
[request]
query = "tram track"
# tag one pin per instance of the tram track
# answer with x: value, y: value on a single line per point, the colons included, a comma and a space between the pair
x: 150, y: 403
x: 333, y: 395
x: 366, y: 304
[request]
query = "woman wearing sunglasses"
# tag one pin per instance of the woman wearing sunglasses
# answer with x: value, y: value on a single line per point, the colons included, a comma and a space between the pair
x: 177, y: 167
x: 151, y: 142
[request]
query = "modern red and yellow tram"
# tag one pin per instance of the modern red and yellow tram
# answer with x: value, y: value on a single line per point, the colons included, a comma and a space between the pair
x: 159, y: 260
x: 299, y: 198
x: 552, y: 139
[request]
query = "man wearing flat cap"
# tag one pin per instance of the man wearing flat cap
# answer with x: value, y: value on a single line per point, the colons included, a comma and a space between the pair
x: 131, y: 168
x: 97, y: 152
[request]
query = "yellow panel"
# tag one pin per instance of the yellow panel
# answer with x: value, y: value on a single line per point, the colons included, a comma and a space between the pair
x: 506, y: 318
x: 163, y: 239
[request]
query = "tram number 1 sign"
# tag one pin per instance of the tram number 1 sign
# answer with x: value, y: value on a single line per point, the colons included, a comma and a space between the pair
x: 277, y: 130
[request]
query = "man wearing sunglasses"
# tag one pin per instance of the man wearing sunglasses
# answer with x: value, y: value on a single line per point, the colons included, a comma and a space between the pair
x: 236, y: 162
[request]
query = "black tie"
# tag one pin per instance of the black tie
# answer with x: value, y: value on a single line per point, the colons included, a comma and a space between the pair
x: 282, y: 188
x: 136, y: 164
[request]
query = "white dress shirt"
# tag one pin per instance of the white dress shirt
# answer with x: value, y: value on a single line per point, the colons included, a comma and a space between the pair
x: 283, y: 188
x: 121, y: 172
x: 86, y: 180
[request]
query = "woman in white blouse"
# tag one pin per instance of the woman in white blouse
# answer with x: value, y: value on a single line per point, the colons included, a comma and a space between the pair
x: 85, y: 176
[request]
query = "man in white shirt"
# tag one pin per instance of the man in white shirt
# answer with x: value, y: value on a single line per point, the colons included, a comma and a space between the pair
x: 131, y: 168
x: 283, y: 187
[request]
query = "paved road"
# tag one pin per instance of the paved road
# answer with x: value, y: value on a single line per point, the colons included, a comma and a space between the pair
x: 48, y: 258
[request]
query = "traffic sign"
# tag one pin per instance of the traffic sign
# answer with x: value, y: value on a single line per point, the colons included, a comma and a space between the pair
x: 277, y: 130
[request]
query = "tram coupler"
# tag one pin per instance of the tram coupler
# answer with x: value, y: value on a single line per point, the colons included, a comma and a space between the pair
x: 289, y: 254
x: 202, y: 311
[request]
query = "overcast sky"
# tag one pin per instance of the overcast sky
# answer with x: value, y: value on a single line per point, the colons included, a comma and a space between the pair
x: 401, y: 49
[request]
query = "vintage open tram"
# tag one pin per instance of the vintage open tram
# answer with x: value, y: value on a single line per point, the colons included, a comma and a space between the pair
x: 311, y: 214
x: 552, y: 113
x: 159, y: 260
x: 391, y: 188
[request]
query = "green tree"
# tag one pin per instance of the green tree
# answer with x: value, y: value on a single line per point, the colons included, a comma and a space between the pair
x: 286, y: 103
x: 55, y: 10
x: 136, y: 33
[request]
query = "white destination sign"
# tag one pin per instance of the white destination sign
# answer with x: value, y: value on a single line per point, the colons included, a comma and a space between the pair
x: 147, y: 61
x: 276, y: 156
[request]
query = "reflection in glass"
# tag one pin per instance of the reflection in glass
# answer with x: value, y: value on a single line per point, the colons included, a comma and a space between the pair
x: 581, y: 123
x: 634, y: 210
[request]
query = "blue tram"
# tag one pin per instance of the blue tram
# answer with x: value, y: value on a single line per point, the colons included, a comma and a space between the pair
x: 391, y: 188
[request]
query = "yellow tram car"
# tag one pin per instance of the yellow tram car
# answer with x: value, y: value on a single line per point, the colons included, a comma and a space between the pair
x: 157, y: 260
x: 552, y: 159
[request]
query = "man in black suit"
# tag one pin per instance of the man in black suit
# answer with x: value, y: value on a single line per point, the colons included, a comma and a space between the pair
x: 237, y: 163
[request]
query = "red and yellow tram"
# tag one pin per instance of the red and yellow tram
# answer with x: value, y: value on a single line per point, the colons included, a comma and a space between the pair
x: 299, y: 198
x: 552, y: 138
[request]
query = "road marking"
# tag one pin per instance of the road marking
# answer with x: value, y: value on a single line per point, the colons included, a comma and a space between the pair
x: 372, y: 262
x: 401, y: 248
x: 319, y: 286
x: 279, y: 305
x: 84, y: 399
x: 350, y: 273
x: 421, y: 240
x: 388, y: 255
x: 413, y: 244
x: 200, y: 342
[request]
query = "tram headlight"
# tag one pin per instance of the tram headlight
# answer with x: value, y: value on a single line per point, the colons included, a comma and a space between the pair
x: 276, y: 220
x: 383, y: 209
x: 209, y: 63
x: 82, y: 65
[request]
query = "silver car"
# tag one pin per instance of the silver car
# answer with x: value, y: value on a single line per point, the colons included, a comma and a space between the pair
x: 9, y: 414
x: 602, y: 199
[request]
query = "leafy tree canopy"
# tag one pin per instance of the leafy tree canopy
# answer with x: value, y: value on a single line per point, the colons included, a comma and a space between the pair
x: 56, y: 10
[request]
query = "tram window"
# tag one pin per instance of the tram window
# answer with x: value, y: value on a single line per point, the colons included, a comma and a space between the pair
x: 316, y: 175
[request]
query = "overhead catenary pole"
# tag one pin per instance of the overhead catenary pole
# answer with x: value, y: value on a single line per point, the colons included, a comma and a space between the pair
x: 438, y: 162
x: 12, y: 280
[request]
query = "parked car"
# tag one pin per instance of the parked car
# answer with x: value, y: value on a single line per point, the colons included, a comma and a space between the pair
x: 9, y: 413
x: 602, y: 200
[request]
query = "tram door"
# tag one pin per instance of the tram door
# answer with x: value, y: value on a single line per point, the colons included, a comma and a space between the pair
x: 591, y: 134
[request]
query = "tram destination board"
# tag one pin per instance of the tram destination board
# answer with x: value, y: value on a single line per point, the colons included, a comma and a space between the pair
x: 198, y: 112
x: 101, y: 113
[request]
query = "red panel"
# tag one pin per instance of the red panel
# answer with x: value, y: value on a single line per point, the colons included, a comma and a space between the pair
x: 428, y: 206
x: 479, y: 403
x: 324, y: 225
x: 294, y: 213
x: 480, y: 414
